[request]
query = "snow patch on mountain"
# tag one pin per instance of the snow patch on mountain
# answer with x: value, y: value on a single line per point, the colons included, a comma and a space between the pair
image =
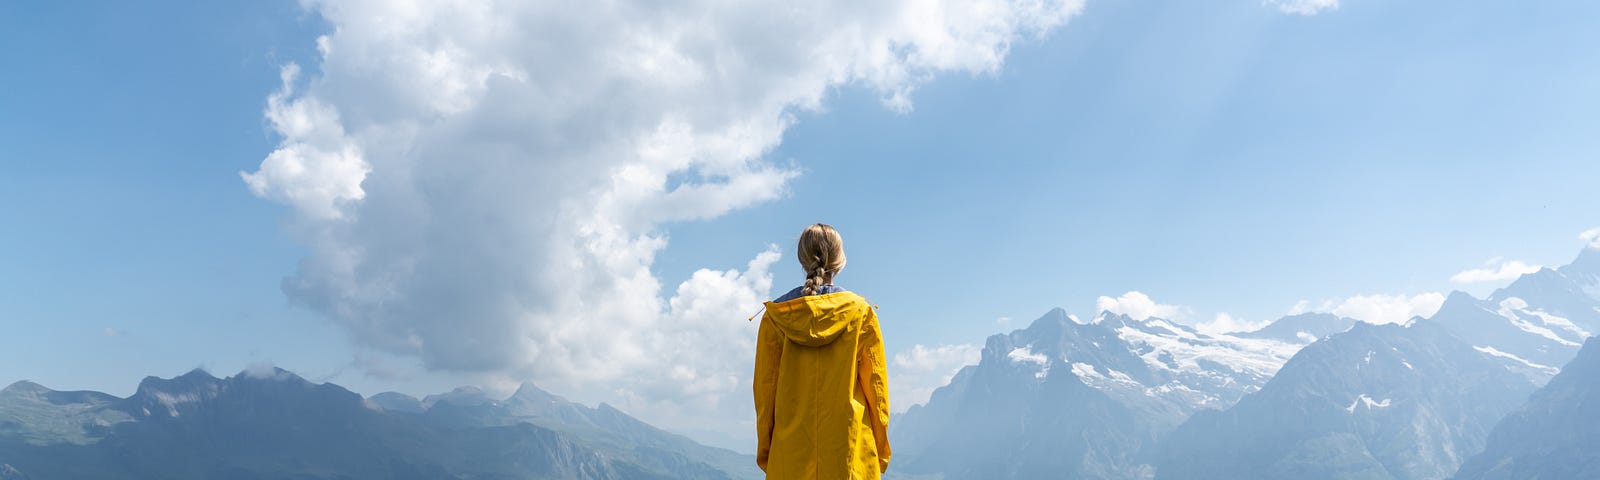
x: 1184, y: 350
x: 1021, y: 355
x: 1091, y: 376
x: 1368, y: 401
x: 1491, y: 351
x: 1026, y: 355
x: 1515, y: 309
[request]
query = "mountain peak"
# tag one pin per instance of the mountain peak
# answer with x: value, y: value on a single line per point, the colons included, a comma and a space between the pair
x: 1301, y: 328
x: 1460, y: 296
x: 1112, y: 319
x: 1362, y: 328
x: 194, y: 378
x: 464, y: 396
x: 22, y: 387
x: 1055, y: 317
x: 1587, y: 263
x: 268, y: 372
x: 7, y: 472
x: 530, y: 393
x: 396, y: 402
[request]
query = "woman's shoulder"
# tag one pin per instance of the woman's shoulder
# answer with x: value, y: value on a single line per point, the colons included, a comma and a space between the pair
x: 798, y: 292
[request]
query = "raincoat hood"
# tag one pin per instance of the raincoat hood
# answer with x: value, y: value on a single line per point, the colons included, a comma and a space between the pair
x: 817, y: 320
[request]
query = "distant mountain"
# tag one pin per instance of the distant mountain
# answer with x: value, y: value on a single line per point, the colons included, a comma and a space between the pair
x: 7, y: 472
x: 1361, y: 401
x: 1535, y: 324
x: 617, y: 433
x: 1552, y: 436
x: 277, y: 425
x: 396, y: 402
x: 1302, y: 328
x: 1068, y: 399
x: 1375, y: 402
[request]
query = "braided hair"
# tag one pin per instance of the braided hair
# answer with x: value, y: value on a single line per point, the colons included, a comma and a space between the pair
x: 821, y: 253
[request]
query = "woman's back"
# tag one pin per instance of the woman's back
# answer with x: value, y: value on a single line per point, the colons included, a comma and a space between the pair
x: 821, y: 387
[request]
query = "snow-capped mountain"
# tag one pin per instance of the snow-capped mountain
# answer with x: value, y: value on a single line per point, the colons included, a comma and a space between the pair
x: 1380, y: 402
x: 1537, y: 323
x: 1143, y: 376
x: 1362, y: 401
x: 1553, y: 435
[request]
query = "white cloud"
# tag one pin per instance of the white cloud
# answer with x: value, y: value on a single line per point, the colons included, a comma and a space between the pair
x: 922, y: 359
x: 1377, y: 309
x: 1227, y: 323
x: 1304, y: 306
x: 914, y: 374
x: 111, y: 332
x: 316, y: 168
x: 485, y: 187
x: 1592, y: 236
x: 1303, y: 7
x: 1497, y: 269
x: 1139, y: 307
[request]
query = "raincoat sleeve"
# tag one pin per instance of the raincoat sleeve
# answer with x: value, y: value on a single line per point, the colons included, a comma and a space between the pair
x: 871, y: 369
x: 769, y: 348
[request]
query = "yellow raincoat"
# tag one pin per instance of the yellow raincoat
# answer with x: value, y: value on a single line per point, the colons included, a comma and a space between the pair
x: 821, y: 389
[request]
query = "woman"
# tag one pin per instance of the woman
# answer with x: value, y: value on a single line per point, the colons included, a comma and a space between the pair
x: 822, y: 393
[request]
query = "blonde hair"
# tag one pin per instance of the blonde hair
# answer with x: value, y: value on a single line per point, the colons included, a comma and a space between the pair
x: 821, y: 254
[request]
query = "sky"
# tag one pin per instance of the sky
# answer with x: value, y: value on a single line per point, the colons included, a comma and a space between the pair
x: 412, y: 197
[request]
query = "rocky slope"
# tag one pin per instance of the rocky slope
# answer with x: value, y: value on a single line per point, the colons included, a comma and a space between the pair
x: 1554, y: 434
x: 1376, y: 402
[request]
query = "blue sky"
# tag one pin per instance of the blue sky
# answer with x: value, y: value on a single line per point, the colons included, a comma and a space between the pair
x: 1219, y: 156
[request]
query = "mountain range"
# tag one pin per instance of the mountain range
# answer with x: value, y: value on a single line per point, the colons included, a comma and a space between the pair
x: 1502, y: 387
x: 274, y: 424
x: 1377, y: 401
x: 1311, y: 395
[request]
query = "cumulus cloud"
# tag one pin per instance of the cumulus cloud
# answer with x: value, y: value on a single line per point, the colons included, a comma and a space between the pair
x: 316, y: 168
x: 1227, y: 323
x: 917, y: 372
x: 1139, y: 307
x: 1592, y: 236
x: 1303, y: 7
x: 1495, y: 269
x: 485, y: 186
x: 1377, y: 309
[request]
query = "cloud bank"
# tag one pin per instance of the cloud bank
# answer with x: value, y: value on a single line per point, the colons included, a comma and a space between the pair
x: 1592, y: 236
x: 484, y: 186
x: 1139, y: 306
x: 916, y: 373
x: 1496, y: 269
x: 1227, y: 323
x: 1377, y: 309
